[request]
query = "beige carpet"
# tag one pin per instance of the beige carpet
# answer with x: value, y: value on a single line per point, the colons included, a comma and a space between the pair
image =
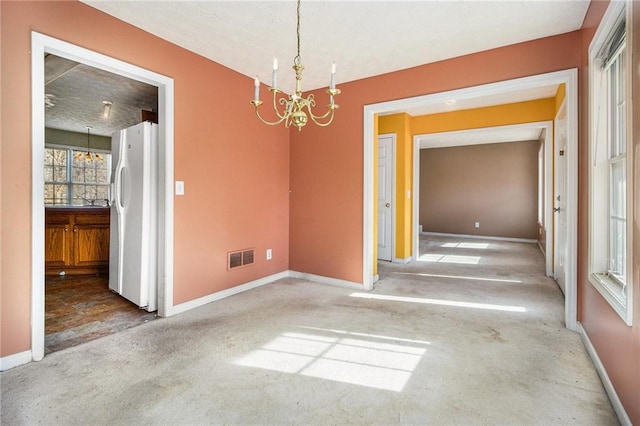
x: 470, y: 334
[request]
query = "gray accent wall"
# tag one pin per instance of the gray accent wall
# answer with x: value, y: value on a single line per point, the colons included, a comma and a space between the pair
x: 493, y: 184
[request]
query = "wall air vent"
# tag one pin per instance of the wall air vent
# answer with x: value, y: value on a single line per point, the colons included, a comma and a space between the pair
x: 237, y: 259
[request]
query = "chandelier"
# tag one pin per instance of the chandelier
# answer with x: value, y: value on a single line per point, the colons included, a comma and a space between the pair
x: 88, y: 156
x: 293, y: 106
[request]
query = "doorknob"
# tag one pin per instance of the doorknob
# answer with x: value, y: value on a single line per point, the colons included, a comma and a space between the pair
x: 388, y: 205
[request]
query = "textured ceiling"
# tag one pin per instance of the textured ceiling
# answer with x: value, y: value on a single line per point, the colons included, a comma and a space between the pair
x: 74, y: 96
x: 365, y: 38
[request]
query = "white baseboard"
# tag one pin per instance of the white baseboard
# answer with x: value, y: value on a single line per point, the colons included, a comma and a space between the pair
x: 10, y: 361
x: 402, y: 261
x: 604, y: 377
x: 325, y: 280
x: 483, y: 237
x: 196, y: 303
x: 375, y: 278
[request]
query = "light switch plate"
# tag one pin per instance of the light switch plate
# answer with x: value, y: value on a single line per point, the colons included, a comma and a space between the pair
x: 179, y: 187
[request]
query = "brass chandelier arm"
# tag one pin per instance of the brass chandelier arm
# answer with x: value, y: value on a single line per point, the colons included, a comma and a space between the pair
x: 330, y: 112
x: 256, y: 104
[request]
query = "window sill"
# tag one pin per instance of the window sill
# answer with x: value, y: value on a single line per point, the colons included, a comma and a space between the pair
x: 613, y: 293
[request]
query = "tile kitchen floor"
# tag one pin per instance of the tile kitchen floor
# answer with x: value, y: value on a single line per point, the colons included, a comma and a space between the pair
x: 82, y: 308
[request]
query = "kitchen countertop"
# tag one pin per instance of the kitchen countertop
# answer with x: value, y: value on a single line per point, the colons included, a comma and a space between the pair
x: 75, y: 208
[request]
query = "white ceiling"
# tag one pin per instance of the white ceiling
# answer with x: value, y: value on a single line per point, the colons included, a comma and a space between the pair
x: 517, y: 133
x: 364, y: 38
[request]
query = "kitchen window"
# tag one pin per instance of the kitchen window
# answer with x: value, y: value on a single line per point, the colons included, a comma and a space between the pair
x: 74, y: 178
x: 609, y: 236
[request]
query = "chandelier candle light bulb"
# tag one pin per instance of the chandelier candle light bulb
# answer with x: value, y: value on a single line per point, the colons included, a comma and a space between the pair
x: 274, y: 79
x: 296, y: 109
x: 256, y: 90
x: 332, y: 86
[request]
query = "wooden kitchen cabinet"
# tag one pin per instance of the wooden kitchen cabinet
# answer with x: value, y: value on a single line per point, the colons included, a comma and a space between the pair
x: 76, y: 240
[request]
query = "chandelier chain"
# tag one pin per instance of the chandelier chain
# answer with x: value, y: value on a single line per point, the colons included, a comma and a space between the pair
x: 297, y: 59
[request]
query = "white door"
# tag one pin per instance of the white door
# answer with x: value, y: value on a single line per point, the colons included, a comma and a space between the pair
x: 385, y: 197
x: 560, y: 198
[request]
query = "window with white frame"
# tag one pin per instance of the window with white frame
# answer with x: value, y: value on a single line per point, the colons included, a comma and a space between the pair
x: 610, y: 115
x: 76, y: 177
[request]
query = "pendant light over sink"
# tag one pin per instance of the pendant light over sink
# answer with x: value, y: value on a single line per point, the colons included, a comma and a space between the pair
x: 88, y: 156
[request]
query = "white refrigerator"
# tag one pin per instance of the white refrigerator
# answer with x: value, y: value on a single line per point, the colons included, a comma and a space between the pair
x: 133, y: 244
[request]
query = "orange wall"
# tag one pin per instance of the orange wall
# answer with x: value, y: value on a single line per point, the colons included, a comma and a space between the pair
x: 617, y: 344
x: 476, y: 118
x: 236, y: 170
x: 327, y: 163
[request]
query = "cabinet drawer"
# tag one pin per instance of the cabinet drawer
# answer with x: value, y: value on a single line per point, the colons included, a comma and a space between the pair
x: 58, y: 217
x: 92, y: 217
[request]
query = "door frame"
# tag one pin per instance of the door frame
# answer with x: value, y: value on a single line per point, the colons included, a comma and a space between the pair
x: 393, y: 193
x: 563, y: 106
x: 41, y: 44
x: 546, y: 128
x: 568, y: 77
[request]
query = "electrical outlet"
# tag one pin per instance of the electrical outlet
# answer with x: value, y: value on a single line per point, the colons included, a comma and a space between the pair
x: 476, y: 225
x: 269, y: 254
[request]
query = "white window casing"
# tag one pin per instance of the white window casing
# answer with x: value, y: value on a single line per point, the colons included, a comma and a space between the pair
x: 610, y: 239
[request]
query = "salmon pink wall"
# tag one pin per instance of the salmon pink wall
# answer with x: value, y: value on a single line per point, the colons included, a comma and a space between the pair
x: 327, y: 163
x: 236, y: 170
x: 617, y: 344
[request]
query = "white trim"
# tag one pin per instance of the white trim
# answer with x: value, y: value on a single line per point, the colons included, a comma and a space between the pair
x: 325, y: 280
x: 417, y: 228
x: 623, y: 306
x: 546, y: 126
x: 430, y: 140
x: 403, y: 261
x: 41, y: 44
x: 623, y: 418
x: 548, y: 200
x: 10, y: 361
x: 393, y: 137
x: 569, y: 77
x: 196, y: 303
x: 483, y: 237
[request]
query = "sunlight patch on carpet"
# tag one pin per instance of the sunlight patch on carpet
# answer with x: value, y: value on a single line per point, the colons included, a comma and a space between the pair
x: 467, y: 245
x: 453, y: 303
x: 340, y: 357
x: 450, y: 258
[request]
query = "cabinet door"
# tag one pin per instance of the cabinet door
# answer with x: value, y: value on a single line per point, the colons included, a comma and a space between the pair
x: 57, y: 247
x: 90, y: 245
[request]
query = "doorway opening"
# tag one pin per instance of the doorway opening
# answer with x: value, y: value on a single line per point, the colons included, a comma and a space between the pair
x: 567, y: 77
x: 79, y: 306
x: 41, y: 46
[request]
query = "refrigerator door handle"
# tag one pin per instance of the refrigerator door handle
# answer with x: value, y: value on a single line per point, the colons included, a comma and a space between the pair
x: 117, y: 187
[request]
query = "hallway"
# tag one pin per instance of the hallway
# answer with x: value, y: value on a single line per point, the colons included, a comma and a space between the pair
x: 472, y: 333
